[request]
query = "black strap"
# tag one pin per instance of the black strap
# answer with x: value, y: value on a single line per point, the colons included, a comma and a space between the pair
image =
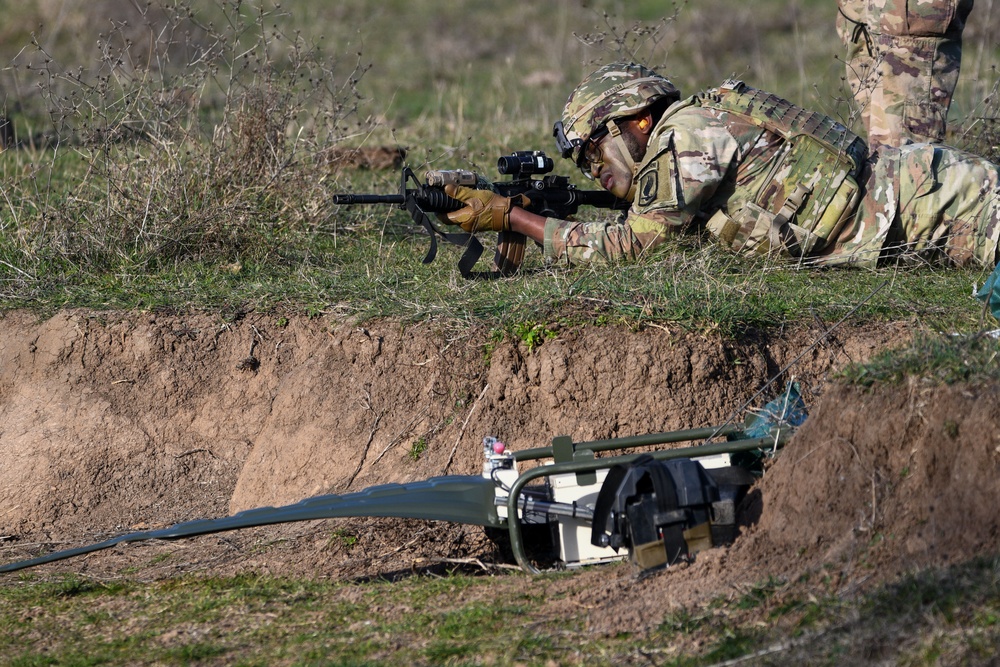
x: 663, y: 487
x: 672, y: 531
x: 473, y: 248
x: 605, y: 503
x: 860, y: 29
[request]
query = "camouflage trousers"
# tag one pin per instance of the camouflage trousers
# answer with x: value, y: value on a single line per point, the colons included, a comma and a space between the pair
x: 903, y: 59
x: 946, y: 204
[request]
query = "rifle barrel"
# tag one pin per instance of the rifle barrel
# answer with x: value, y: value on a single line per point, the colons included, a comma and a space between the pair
x: 348, y: 199
x: 601, y: 199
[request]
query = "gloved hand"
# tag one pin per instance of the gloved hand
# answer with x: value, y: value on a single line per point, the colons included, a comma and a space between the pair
x: 485, y: 210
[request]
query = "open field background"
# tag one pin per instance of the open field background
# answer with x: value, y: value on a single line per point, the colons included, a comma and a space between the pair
x: 185, y: 154
x: 166, y: 203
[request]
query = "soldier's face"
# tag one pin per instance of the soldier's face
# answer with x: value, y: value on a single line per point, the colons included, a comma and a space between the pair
x: 609, y: 166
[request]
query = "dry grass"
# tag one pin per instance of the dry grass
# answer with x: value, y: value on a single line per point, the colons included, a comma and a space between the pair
x: 146, y: 162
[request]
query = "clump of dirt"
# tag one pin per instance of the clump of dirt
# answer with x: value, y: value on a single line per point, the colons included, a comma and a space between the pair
x: 377, y: 157
x: 114, y: 422
x: 901, y: 479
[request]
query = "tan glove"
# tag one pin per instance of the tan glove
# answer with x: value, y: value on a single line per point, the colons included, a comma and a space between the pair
x: 485, y: 210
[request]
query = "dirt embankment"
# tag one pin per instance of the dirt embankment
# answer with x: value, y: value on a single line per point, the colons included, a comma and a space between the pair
x: 112, y: 422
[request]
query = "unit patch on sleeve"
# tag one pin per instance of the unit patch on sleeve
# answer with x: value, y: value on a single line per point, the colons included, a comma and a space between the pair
x: 655, y: 185
x: 648, y: 187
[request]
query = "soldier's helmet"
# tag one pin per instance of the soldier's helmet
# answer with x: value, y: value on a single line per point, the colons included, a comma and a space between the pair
x: 614, y: 91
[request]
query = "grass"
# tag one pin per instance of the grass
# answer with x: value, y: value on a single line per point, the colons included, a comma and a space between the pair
x: 937, y: 359
x: 950, y: 615
x: 381, y: 275
x: 188, y: 163
x: 196, y: 173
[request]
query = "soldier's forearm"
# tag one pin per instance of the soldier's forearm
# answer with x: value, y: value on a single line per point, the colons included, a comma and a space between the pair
x: 527, y: 223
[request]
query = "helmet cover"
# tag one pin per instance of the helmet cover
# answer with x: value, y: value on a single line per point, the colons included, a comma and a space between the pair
x: 614, y: 91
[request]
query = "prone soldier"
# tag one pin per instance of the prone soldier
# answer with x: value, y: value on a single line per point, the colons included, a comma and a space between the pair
x: 759, y: 173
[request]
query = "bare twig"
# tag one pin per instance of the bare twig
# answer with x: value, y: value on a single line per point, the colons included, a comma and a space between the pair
x: 486, y: 567
x: 371, y: 437
x: 195, y: 451
x: 771, y: 650
x: 461, y: 432
x: 819, y: 339
x: 399, y: 436
x: 404, y: 547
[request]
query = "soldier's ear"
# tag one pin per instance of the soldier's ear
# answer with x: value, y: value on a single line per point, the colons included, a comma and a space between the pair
x: 645, y: 123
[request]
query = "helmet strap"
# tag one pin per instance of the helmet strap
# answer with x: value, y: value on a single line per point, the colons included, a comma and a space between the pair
x: 616, y: 136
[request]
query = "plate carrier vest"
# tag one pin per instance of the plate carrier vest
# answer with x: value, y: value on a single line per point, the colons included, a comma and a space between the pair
x: 811, y: 189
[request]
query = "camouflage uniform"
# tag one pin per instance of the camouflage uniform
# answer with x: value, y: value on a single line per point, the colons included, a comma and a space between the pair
x: 707, y: 163
x: 903, y: 59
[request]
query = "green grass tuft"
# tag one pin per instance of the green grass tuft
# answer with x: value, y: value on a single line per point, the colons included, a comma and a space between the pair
x: 936, y: 358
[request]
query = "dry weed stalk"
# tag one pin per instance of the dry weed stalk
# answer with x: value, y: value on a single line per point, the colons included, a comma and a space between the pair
x: 186, y: 140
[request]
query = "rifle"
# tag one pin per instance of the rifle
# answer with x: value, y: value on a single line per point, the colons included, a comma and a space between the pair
x: 550, y: 196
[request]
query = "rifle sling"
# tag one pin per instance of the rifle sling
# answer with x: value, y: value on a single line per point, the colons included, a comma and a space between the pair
x: 473, y: 248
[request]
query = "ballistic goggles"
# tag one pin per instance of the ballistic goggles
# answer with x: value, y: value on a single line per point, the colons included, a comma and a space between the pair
x: 575, y: 149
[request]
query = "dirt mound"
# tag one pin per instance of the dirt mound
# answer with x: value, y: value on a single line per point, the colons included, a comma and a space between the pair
x: 873, y: 485
x: 112, y: 422
x: 902, y: 479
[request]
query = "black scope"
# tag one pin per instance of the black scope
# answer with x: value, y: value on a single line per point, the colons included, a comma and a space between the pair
x: 525, y: 163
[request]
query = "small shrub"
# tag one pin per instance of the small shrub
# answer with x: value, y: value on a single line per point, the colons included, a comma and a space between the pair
x: 150, y: 161
x: 417, y: 449
x: 532, y: 334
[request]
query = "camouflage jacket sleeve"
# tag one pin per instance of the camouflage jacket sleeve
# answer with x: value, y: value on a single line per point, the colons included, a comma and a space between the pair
x: 691, y: 151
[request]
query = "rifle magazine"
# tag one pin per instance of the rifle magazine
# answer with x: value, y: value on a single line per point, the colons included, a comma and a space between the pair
x: 510, y: 252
